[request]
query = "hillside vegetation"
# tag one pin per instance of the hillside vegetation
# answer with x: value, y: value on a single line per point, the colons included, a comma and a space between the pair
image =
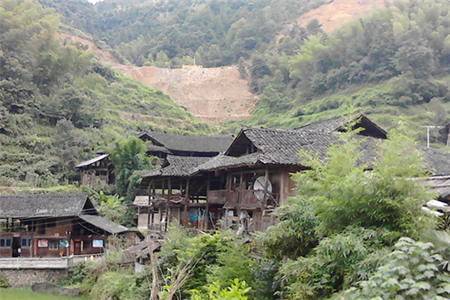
x: 170, y: 33
x: 57, y: 104
x: 392, y: 63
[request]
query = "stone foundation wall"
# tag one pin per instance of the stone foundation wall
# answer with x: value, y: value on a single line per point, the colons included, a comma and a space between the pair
x: 29, y: 276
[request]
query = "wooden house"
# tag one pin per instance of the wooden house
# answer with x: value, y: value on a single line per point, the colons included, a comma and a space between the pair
x: 241, y: 187
x: 96, y: 169
x: 185, y: 145
x: 160, y: 146
x: 54, y: 225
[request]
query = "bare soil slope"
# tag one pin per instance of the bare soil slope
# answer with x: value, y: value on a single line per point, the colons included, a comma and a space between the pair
x: 212, y: 94
x: 338, y: 12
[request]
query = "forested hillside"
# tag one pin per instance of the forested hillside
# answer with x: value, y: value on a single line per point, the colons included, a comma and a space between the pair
x: 171, y: 33
x: 394, y: 62
x: 391, y: 63
x: 57, y: 104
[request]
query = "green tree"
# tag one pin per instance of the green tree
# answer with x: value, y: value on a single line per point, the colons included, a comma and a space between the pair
x: 113, y: 208
x: 412, y: 272
x: 314, y: 27
x: 236, y: 291
x: 345, y: 193
x: 128, y: 156
x: 162, y: 60
x: 242, y: 68
x: 347, y: 215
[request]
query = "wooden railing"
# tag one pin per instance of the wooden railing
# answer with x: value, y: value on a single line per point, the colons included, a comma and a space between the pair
x: 251, y: 198
x: 217, y: 197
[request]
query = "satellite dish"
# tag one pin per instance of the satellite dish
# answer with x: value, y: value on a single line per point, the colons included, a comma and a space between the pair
x: 258, y: 187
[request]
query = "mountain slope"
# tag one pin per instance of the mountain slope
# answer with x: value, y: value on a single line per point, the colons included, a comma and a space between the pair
x: 58, y: 104
x: 214, y: 94
x: 393, y: 64
x: 338, y: 12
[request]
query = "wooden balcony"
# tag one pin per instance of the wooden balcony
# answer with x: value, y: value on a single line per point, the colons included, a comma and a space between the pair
x: 217, y: 197
x: 247, y: 198
x: 257, y: 199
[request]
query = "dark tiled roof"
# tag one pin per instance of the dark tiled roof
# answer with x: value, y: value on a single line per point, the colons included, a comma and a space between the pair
x: 91, y: 161
x: 367, y: 127
x: 223, y: 161
x: 436, y: 161
x: 275, y: 146
x: 141, y: 249
x: 104, y: 224
x: 283, y: 146
x: 326, y: 126
x: 145, y: 136
x: 45, y: 205
x: 440, y: 184
x: 194, y: 143
x: 155, y: 148
x: 177, y: 166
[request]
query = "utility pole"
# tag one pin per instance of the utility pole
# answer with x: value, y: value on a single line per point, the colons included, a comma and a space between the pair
x: 428, y: 132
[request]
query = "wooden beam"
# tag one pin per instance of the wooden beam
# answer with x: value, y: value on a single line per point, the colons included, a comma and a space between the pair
x: 266, y: 177
x: 186, y: 202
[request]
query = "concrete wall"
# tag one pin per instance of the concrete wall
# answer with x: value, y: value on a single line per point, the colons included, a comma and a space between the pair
x: 28, y: 277
x: 34, y: 263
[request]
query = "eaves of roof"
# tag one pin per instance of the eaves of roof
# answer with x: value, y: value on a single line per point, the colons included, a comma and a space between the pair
x: 91, y: 161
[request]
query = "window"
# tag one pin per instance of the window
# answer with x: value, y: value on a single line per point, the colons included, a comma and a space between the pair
x: 26, y: 243
x: 5, y: 243
x: 51, y: 223
x: 53, y: 245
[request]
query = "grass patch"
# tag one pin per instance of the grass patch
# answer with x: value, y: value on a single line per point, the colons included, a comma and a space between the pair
x: 15, y: 294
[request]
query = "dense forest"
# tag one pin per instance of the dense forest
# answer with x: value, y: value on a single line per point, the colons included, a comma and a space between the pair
x: 58, y: 104
x: 171, y: 33
x: 394, y: 62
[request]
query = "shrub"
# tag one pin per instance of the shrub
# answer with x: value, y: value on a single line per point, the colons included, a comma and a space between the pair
x: 411, y: 273
x: 3, y: 282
